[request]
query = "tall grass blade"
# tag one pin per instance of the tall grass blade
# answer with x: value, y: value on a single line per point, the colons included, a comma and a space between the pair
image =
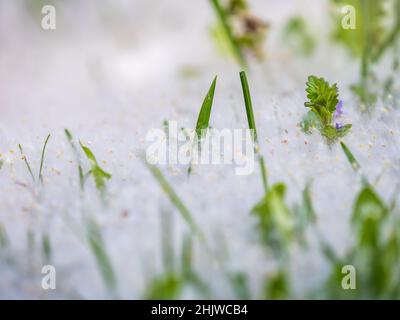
x: 3, y: 237
x: 42, y: 158
x: 46, y: 248
x: 97, y: 246
x: 23, y: 156
x: 252, y: 127
x: 75, y: 150
x: 249, y: 105
x: 167, y: 241
x: 354, y: 163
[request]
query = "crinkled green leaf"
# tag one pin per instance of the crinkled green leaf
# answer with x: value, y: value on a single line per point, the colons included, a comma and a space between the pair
x: 322, y: 97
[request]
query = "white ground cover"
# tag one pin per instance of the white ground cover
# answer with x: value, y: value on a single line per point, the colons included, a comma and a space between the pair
x: 112, y: 72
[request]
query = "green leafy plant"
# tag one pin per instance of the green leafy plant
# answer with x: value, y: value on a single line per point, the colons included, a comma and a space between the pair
x: 275, y: 220
x: 99, y: 175
x: 325, y: 107
x: 239, y: 29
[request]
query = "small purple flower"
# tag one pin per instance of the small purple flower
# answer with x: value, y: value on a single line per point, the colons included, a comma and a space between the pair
x: 338, y: 111
x: 338, y: 126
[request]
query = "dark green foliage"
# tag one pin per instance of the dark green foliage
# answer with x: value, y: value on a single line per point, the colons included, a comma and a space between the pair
x: 238, y: 31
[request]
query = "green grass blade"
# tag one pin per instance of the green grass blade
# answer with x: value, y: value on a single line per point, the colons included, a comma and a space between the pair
x: 310, y: 215
x: 69, y: 135
x: 354, y: 163
x: 203, y: 119
x: 3, y: 237
x: 252, y: 127
x: 70, y: 139
x: 249, y: 105
x: 46, y: 248
x: 187, y: 255
x: 167, y: 247
x: 97, y: 246
x: 223, y: 20
x: 263, y: 172
x: 23, y: 156
x: 30, y: 240
x: 175, y: 200
x: 42, y: 158
x: 81, y: 178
